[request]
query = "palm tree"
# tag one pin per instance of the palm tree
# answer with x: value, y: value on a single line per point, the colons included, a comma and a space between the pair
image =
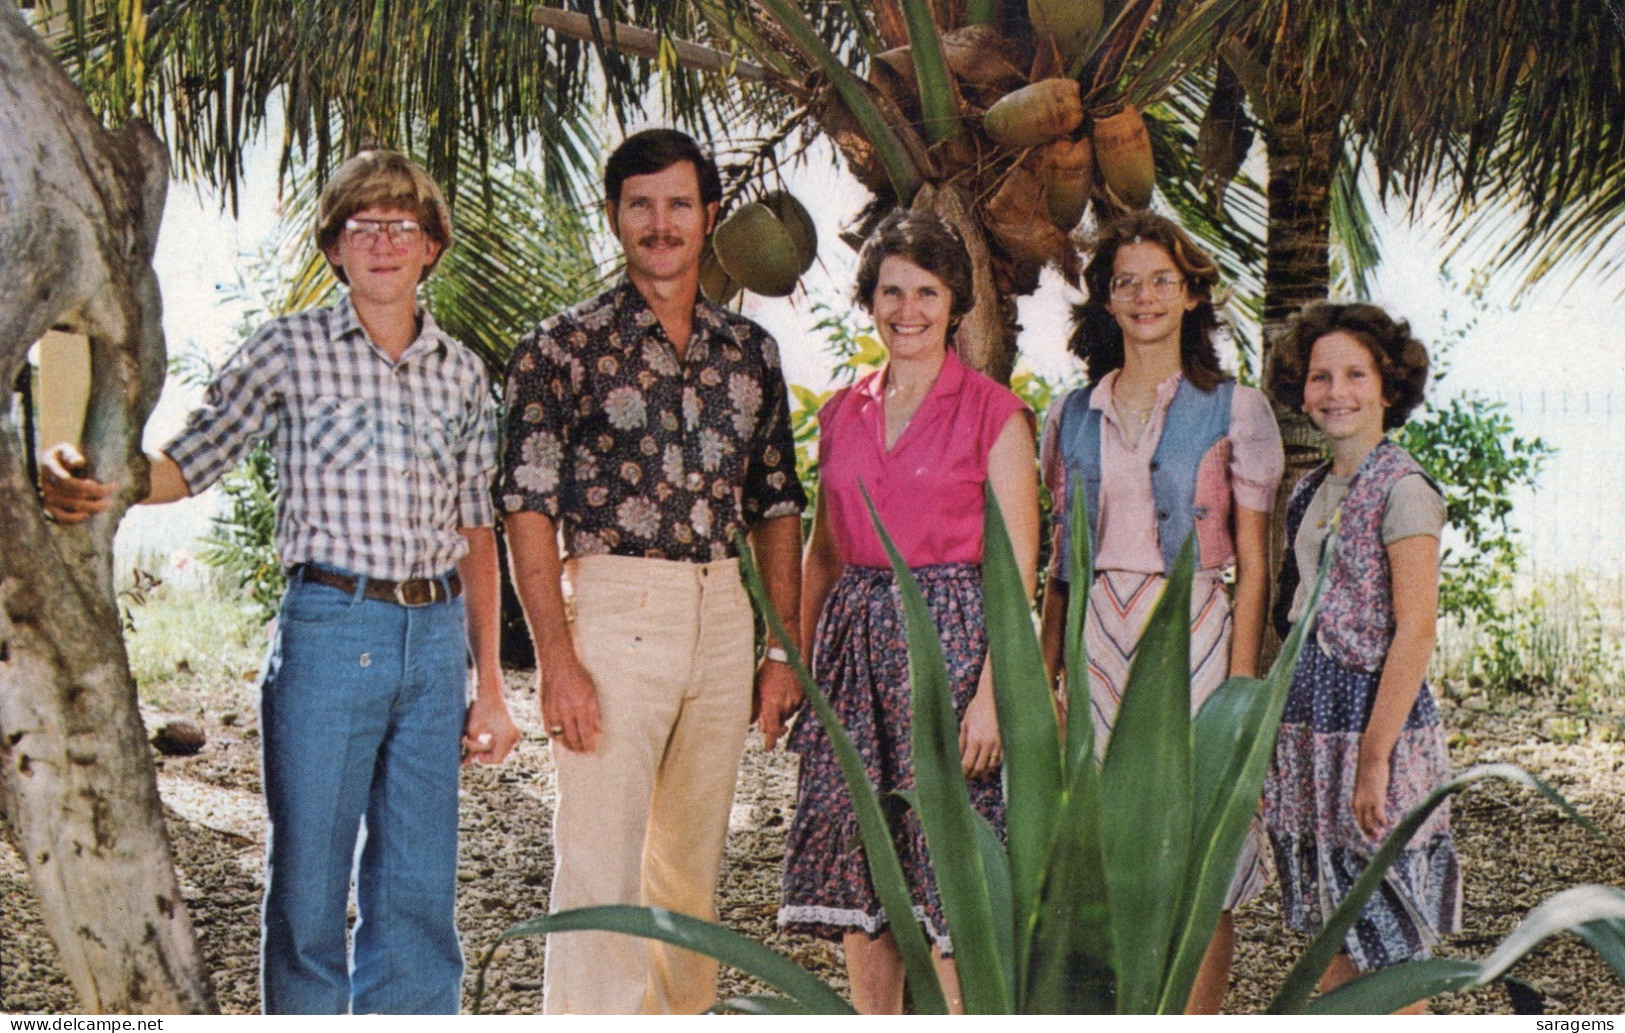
x: 1466, y: 99
x: 1489, y: 95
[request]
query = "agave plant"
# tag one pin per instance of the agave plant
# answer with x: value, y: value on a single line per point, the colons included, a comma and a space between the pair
x: 1112, y: 880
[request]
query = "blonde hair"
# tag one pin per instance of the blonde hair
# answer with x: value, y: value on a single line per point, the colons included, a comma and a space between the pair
x: 382, y: 179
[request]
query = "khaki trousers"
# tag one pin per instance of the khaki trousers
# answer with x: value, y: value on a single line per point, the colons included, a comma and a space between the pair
x: 642, y: 819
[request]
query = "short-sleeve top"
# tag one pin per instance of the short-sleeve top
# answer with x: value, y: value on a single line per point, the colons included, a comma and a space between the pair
x: 929, y: 487
x: 1128, y: 523
x: 1414, y: 507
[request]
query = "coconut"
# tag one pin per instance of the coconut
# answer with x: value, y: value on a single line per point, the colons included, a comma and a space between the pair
x: 1017, y: 218
x: 757, y: 251
x: 1071, y: 25
x: 797, y: 222
x: 1035, y: 114
x: 714, y: 280
x: 981, y: 57
x: 1066, y: 167
x: 1123, y: 156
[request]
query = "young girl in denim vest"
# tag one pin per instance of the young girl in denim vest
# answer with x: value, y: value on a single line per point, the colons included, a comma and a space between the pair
x: 1165, y: 447
x: 1360, y: 742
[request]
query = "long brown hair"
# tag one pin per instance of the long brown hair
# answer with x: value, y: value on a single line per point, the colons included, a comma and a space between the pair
x: 1096, y: 337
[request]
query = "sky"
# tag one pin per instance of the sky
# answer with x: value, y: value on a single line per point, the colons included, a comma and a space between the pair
x: 1565, y: 338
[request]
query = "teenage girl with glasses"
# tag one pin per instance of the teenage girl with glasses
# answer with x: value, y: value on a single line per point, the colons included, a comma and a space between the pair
x: 1165, y: 446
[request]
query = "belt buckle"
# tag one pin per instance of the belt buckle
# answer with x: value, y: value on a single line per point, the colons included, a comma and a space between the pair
x: 403, y: 597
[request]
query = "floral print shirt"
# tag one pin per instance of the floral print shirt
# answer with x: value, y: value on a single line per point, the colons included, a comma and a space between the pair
x: 635, y: 452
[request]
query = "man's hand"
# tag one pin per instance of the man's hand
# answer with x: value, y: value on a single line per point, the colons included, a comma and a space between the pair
x: 776, y: 699
x: 569, y: 704
x: 490, y: 732
x: 980, y: 749
x: 69, y: 498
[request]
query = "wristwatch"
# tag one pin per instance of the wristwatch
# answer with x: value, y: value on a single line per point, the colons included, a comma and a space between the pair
x: 777, y: 654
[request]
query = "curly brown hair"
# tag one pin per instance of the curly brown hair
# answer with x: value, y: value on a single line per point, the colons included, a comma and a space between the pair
x: 1096, y: 337
x: 1401, y: 359
x: 929, y: 243
x: 382, y: 179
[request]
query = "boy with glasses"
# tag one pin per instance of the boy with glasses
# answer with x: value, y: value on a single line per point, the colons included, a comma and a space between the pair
x: 384, y: 436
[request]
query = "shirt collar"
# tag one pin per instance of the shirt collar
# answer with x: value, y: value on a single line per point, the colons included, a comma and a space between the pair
x: 345, y: 322
x: 1101, y: 396
x: 950, y: 380
x: 637, y: 319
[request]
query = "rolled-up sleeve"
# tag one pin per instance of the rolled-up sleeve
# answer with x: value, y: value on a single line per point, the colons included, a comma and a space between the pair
x: 535, y: 428
x: 241, y: 407
x: 1257, y: 459
x: 477, y: 464
x: 772, y: 488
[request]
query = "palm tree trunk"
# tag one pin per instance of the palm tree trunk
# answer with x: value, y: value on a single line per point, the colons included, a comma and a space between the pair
x: 986, y: 338
x: 1303, y: 147
x: 77, y: 783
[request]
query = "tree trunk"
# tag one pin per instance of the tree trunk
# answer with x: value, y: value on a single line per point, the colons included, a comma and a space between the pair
x: 79, y: 212
x: 986, y: 338
x: 1303, y: 148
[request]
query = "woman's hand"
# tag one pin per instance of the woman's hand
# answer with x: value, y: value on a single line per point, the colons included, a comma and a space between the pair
x: 1370, y: 802
x: 980, y: 750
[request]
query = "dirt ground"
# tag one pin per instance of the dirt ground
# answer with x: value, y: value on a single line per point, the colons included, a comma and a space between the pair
x: 1516, y: 850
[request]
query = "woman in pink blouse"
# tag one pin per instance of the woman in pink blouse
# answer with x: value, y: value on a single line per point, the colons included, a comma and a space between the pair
x: 927, y: 437
x: 1164, y: 446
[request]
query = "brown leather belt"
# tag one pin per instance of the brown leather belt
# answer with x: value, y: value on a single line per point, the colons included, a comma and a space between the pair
x: 416, y: 592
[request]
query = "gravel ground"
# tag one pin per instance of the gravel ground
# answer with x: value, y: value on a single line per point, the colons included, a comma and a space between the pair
x: 1516, y: 850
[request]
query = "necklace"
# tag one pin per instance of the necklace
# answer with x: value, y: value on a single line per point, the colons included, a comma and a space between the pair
x: 1140, y: 415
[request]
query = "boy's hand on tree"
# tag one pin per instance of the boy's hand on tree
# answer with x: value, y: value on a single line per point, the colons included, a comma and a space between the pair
x: 68, y: 498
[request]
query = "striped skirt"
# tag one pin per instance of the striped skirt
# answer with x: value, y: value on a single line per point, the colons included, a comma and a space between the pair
x: 1120, y: 603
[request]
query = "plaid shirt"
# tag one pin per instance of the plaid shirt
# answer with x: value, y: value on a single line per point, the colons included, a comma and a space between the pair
x: 378, y: 462
x: 636, y: 452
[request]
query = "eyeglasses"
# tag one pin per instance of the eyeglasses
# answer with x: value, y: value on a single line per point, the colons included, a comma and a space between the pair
x: 1165, y: 286
x: 366, y: 232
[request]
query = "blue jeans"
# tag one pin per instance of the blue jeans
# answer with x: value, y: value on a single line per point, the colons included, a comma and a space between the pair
x: 361, y: 718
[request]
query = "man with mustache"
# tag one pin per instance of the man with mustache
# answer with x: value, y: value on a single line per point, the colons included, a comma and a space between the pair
x: 646, y: 429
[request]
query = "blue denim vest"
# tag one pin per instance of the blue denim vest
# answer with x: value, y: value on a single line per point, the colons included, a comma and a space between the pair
x: 1195, y: 422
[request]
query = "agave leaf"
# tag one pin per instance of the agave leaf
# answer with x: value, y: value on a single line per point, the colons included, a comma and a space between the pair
x: 1027, y: 725
x: 1595, y: 913
x: 1233, y: 744
x: 1000, y: 893
x: 1080, y: 705
x: 759, y: 1004
x: 938, y: 103
x: 1301, y: 981
x: 1070, y: 970
x: 885, y: 871
x: 943, y: 802
x: 695, y: 934
x: 1146, y: 794
x: 1392, y: 988
x: 1233, y: 740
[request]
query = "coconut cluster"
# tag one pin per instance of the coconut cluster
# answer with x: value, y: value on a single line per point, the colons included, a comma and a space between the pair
x: 1035, y: 146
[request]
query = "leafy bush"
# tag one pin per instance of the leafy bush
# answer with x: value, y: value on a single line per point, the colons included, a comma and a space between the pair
x: 241, y: 538
x: 1115, y: 871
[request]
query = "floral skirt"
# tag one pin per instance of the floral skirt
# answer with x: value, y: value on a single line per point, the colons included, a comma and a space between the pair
x: 1120, y: 602
x: 861, y: 663
x: 1319, y: 848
